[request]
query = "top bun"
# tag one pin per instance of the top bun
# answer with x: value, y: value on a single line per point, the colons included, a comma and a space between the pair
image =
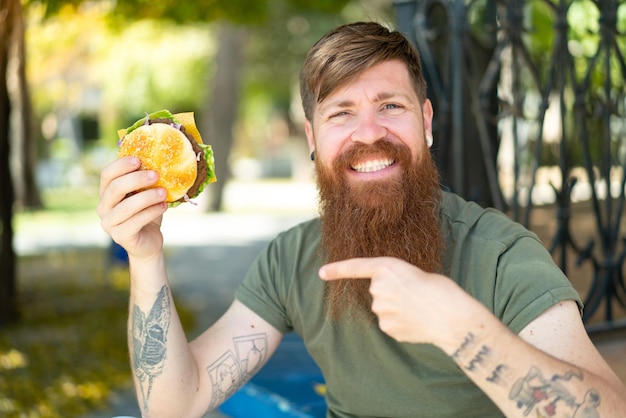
x: 166, y: 150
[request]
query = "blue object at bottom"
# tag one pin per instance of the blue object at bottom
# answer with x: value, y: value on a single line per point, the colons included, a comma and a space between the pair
x: 289, y: 385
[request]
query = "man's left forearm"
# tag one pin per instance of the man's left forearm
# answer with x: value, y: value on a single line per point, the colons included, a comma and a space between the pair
x: 524, y: 381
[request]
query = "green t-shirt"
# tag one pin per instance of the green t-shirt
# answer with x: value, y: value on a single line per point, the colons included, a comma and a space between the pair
x: 367, y: 373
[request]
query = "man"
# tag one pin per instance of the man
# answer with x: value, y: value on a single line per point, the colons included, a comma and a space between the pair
x: 412, y: 301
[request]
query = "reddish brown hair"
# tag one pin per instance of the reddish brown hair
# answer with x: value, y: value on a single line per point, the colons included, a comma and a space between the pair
x: 347, y: 51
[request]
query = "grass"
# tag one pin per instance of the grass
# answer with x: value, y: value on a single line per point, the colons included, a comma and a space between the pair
x: 68, y: 352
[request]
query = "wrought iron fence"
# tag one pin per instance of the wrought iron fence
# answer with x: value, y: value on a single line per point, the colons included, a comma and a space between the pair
x: 530, y: 104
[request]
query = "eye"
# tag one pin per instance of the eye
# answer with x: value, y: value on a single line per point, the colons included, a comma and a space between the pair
x: 391, y: 106
x: 338, y: 114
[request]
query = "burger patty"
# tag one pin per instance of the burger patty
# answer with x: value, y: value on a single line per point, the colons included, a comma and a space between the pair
x: 203, y: 170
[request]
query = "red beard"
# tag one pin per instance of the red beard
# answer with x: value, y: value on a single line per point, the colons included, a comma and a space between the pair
x: 391, y: 218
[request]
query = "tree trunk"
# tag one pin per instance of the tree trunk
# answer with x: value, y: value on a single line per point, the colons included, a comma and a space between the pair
x: 10, y: 12
x: 220, y: 113
x: 24, y: 149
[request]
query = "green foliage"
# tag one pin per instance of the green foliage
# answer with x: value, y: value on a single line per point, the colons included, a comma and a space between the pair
x: 61, y: 53
x: 236, y: 11
x: 286, y: 38
x: 201, y: 10
x: 322, y: 6
x: 53, y: 7
x: 540, y: 37
x: 583, y: 36
x: 149, y: 65
x: 154, y: 65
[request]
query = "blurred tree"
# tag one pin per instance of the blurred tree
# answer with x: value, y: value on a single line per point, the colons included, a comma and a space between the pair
x: 10, y: 16
x: 222, y: 106
x: 23, y: 155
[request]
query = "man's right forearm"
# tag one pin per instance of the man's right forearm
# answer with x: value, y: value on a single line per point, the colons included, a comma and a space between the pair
x: 162, y: 364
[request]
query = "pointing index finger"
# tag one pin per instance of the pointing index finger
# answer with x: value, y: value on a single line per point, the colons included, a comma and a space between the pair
x: 354, y: 268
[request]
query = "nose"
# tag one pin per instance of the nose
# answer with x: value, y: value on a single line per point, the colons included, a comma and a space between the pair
x: 368, y: 129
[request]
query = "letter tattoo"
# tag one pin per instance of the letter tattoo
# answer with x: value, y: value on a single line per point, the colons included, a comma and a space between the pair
x: 500, y: 375
x: 469, y: 339
x: 478, y: 358
x: 149, y: 342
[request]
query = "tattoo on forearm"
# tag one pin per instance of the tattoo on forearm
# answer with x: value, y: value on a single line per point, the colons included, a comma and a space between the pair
x: 500, y: 375
x: 478, y: 359
x: 534, y: 394
x: 234, y: 368
x: 467, y: 341
x: 549, y: 397
x: 465, y: 350
x: 149, y: 342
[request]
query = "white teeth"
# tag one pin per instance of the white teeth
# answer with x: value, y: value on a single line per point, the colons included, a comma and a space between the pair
x: 372, y: 166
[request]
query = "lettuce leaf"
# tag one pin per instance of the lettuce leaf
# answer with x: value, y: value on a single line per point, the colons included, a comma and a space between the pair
x: 159, y: 114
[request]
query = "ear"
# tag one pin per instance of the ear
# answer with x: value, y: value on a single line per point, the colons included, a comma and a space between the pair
x: 427, y: 113
x: 310, y: 137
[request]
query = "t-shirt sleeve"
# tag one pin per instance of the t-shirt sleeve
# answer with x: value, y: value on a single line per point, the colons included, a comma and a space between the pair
x: 260, y: 292
x: 528, y: 283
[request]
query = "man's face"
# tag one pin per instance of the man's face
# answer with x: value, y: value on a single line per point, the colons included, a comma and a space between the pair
x: 380, y: 104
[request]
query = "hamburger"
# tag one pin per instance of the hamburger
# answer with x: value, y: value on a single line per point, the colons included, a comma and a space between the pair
x: 172, y: 146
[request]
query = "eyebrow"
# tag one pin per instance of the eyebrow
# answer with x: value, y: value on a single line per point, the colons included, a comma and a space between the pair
x: 340, y: 104
x: 347, y: 103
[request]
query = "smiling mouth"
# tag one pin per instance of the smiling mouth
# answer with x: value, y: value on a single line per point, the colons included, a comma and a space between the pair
x: 372, y: 165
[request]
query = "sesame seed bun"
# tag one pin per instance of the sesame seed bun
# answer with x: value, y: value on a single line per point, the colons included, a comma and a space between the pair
x: 166, y: 150
x: 171, y: 145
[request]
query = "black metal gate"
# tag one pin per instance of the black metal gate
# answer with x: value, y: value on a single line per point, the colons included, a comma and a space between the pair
x: 530, y: 101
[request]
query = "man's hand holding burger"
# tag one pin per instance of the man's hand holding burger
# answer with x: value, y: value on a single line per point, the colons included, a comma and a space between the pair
x: 131, y: 218
x: 162, y: 163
